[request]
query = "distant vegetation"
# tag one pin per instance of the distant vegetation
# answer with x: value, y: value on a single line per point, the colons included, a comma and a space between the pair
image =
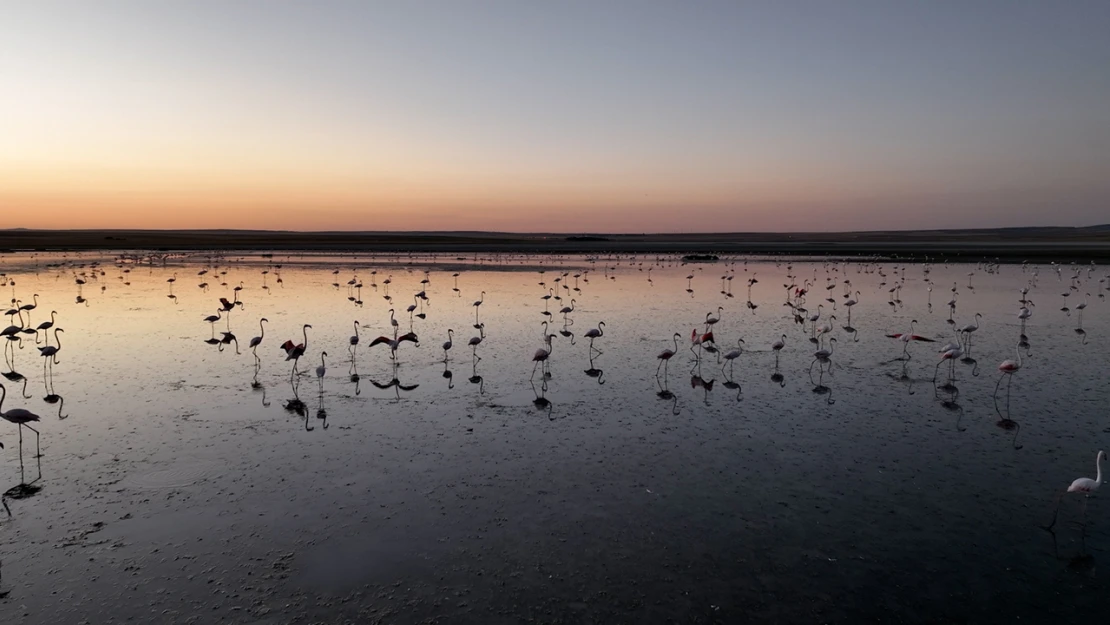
x: 587, y: 238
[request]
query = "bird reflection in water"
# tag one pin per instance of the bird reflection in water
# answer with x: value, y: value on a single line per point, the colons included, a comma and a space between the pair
x: 15, y: 376
x: 948, y: 396
x: 906, y: 378
x: 1082, y: 563
x: 51, y: 397
x: 228, y: 339
x: 21, y: 491
x: 819, y: 386
x: 475, y: 378
x: 1082, y: 334
x: 665, y: 394
x: 696, y: 381
x: 734, y: 386
x: 295, y: 404
x: 448, y: 375
x: 321, y: 411
x: 541, y: 402
x: 973, y: 363
x: 395, y: 384
x: 595, y: 373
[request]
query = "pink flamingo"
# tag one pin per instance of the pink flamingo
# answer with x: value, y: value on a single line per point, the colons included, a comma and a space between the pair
x: 1083, y: 485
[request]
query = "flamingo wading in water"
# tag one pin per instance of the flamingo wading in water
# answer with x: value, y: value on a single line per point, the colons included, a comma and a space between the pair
x: 1083, y: 485
x: 21, y: 417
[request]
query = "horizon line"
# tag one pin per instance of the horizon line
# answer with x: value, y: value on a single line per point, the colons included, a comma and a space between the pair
x: 549, y: 234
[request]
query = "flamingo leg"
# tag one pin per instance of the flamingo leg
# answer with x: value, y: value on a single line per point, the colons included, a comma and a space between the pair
x: 22, y: 478
x: 1009, y: 384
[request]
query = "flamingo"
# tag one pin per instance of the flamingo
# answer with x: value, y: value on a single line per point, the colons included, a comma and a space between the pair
x: 478, y: 303
x: 20, y: 417
x: 595, y: 333
x: 473, y: 343
x: 258, y: 339
x: 393, y: 322
x: 12, y: 330
x: 1079, y: 307
x: 733, y: 355
x: 46, y: 325
x: 447, y: 343
x: 52, y: 350
x: 906, y: 337
x: 294, y: 352
x: 395, y: 343
x: 322, y: 369
x: 1008, y: 369
x: 824, y: 353
x: 710, y: 320
x: 850, y: 303
x: 34, y: 305
x: 566, y: 310
x: 666, y: 354
x: 354, y: 338
x: 697, y: 340
x: 541, y: 355
x: 1083, y: 485
x: 969, y: 328
x: 212, y: 319
x: 1024, y: 314
x: 949, y: 355
x: 777, y: 347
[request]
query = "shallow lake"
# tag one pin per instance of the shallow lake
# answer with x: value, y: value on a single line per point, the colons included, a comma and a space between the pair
x: 184, y: 480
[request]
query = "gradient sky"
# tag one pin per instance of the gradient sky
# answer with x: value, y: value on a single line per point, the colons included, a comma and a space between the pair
x: 618, y: 116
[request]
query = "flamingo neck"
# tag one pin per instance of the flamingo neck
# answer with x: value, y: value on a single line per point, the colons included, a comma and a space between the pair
x: 57, y: 341
x: 1098, y: 464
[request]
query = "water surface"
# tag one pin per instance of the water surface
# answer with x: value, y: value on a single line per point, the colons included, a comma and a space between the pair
x: 178, y: 484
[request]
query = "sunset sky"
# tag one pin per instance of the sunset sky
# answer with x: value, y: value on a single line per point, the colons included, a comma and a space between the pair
x: 594, y: 115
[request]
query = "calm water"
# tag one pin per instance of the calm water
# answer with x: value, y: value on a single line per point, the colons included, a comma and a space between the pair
x: 179, y: 486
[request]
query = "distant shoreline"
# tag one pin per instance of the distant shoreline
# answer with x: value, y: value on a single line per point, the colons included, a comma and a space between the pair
x: 1009, y: 244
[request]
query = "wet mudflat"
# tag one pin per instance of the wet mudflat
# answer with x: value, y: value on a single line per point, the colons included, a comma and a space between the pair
x: 191, y: 482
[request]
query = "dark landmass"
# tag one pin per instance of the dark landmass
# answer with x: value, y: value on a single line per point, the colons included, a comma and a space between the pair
x: 1012, y: 244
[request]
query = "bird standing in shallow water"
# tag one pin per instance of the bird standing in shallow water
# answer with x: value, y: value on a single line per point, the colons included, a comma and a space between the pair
x: 294, y: 352
x: 20, y: 417
x: 595, y: 333
x: 258, y: 339
x: 448, y: 343
x: 1083, y: 485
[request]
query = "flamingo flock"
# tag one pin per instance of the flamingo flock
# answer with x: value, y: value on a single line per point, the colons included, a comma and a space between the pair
x: 874, y: 279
